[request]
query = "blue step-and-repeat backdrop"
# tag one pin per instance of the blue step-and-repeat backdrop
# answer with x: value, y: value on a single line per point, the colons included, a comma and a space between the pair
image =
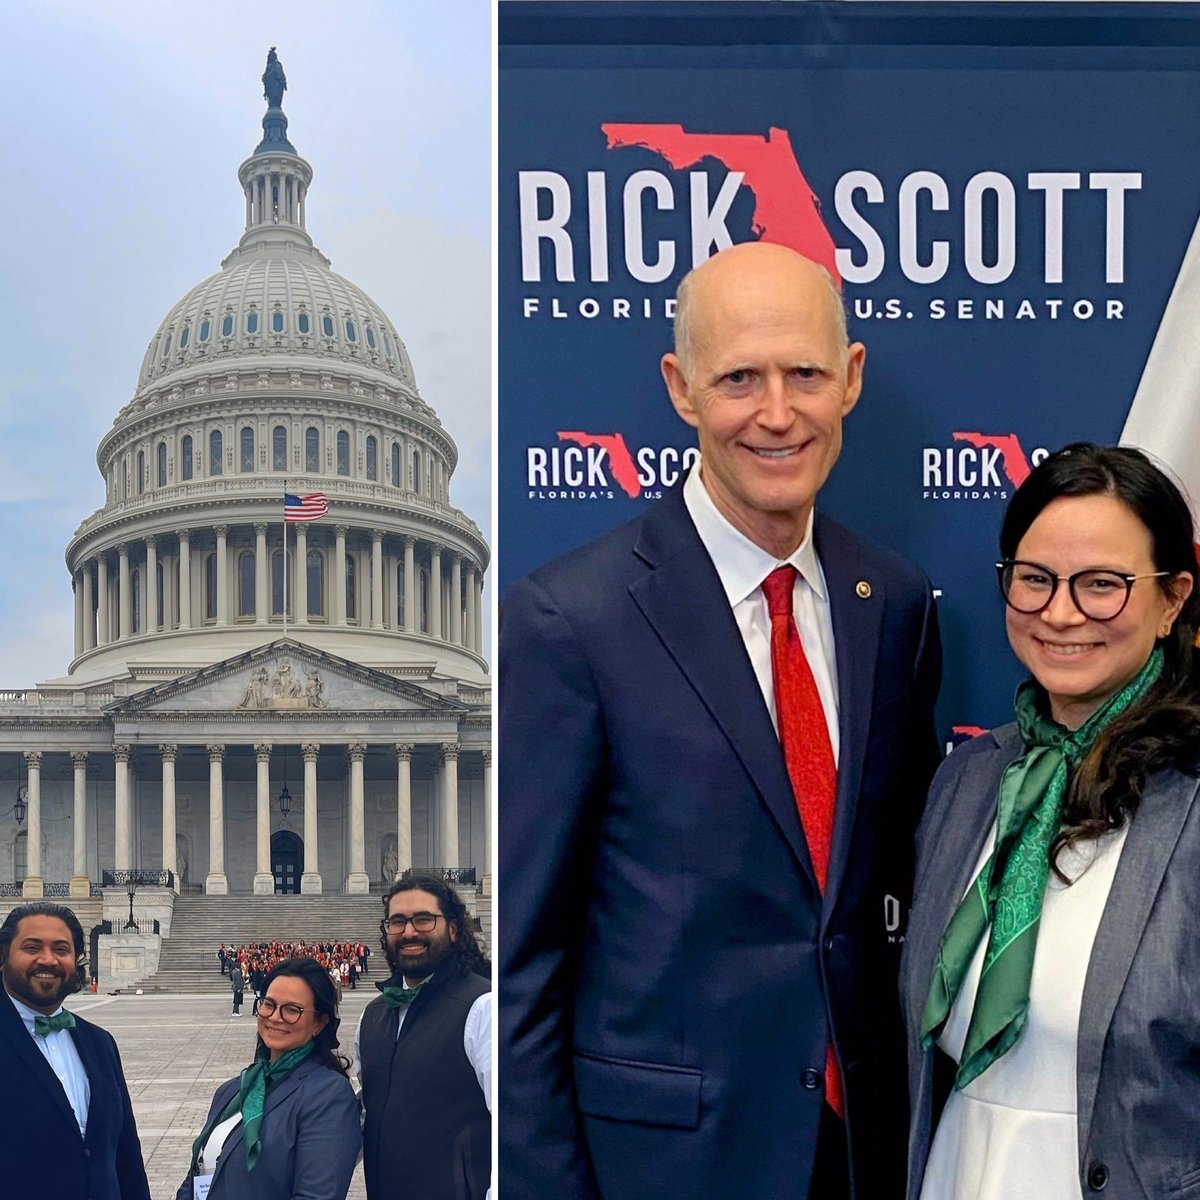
x: 1007, y: 192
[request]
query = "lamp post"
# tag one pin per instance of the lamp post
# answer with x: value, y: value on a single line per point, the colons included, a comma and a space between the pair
x: 285, y: 797
x: 132, y: 887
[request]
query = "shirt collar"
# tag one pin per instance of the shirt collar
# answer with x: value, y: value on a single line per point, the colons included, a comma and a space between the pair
x: 27, y: 1014
x: 741, y: 565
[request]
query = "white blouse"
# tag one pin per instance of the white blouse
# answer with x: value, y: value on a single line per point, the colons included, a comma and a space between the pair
x: 1012, y: 1130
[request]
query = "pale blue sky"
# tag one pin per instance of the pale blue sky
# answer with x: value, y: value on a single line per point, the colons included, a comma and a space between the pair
x: 124, y: 125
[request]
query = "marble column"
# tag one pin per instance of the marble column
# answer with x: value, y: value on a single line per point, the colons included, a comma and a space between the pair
x: 376, y: 578
x: 81, y: 885
x: 435, y: 597
x: 300, y: 577
x: 170, y: 860
x: 456, y: 603
x: 122, y: 853
x: 469, y: 631
x: 358, y: 882
x: 449, y: 820
x: 310, y: 880
x: 89, y: 613
x: 479, y: 614
x: 102, y: 628
x: 124, y: 594
x: 185, y: 578
x: 150, y: 587
x: 410, y: 590
x: 77, y: 590
x: 216, y: 883
x: 262, y: 587
x: 339, y: 574
x: 35, y: 886
x: 222, y: 574
x: 264, y: 881
x: 404, y: 862
x: 486, y: 873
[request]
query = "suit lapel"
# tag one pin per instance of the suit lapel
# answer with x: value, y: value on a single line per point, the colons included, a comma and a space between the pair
x: 682, y: 599
x: 1153, y: 832
x: 951, y: 860
x: 12, y: 1028
x: 856, y: 624
x: 276, y: 1095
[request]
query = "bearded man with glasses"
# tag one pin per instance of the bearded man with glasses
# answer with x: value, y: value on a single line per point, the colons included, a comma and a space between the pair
x: 424, y: 1052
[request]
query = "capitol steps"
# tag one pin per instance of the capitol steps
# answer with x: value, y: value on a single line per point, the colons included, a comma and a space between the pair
x: 200, y: 924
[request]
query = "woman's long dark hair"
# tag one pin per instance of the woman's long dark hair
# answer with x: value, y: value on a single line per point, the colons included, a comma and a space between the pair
x: 324, y: 998
x: 1163, y: 729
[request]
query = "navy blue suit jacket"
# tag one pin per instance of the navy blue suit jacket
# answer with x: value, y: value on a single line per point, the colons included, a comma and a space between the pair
x: 46, y: 1152
x: 671, y: 974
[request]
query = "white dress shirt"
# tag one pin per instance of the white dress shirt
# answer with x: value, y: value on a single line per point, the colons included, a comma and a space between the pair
x: 742, y: 566
x: 60, y: 1052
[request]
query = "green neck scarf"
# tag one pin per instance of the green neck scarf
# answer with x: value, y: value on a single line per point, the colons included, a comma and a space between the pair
x: 251, y: 1099
x: 1005, y: 901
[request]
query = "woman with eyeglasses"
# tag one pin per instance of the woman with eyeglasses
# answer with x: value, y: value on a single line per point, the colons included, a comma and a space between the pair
x: 1051, y: 975
x: 288, y: 1126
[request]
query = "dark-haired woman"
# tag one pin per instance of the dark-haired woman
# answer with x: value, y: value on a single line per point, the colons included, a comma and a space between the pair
x: 1051, y: 976
x: 288, y: 1126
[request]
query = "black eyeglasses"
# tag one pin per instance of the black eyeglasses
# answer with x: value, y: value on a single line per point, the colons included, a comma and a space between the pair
x: 288, y: 1013
x: 421, y: 922
x: 1029, y: 587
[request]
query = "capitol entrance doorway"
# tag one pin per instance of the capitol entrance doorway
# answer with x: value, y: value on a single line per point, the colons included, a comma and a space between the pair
x: 287, y: 862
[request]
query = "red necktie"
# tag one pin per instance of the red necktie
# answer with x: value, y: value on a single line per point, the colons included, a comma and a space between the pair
x: 804, y: 735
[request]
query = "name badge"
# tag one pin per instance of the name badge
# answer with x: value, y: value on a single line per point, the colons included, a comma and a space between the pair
x: 200, y: 1186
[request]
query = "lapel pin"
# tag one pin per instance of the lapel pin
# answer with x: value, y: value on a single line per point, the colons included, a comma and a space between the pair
x: 863, y: 589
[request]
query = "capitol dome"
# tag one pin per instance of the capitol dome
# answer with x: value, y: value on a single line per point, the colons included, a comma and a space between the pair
x: 276, y: 375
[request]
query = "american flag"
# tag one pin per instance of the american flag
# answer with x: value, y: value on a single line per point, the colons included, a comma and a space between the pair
x: 304, y: 508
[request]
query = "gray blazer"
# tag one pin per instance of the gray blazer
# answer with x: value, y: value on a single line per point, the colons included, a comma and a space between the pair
x: 311, y: 1140
x: 1138, y: 1071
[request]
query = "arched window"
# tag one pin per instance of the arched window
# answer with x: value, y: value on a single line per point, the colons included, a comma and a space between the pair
x: 247, y: 449
x: 162, y: 464
x: 351, y: 332
x: 215, y: 453
x: 400, y: 595
x: 316, y: 583
x: 210, y: 587
x: 302, y: 323
x: 125, y: 477
x: 277, y: 585
x: 245, y: 575
x: 370, y: 337
x: 312, y: 449
x: 135, y: 596
x: 372, y: 458
x: 387, y: 343
x: 396, y: 482
x: 428, y: 476
x: 205, y: 329
x: 227, y: 325
x: 351, y: 588
x: 277, y: 321
x: 167, y: 346
x: 327, y: 325
x: 252, y: 322
x: 141, y: 472
x: 416, y: 470
x: 186, y: 455
x: 343, y: 452
x: 185, y: 337
x: 279, y: 448
x: 159, y: 592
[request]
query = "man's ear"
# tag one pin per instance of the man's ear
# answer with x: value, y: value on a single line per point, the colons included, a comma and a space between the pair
x: 678, y: 389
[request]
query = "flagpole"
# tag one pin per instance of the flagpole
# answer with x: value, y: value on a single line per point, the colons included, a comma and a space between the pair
x: 285, y: 558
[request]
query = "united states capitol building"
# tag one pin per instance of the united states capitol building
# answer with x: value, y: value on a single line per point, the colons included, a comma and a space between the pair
x: 237, y: 719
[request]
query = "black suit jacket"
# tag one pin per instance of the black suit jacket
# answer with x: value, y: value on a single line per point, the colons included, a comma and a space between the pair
x: 671, y: 975
x: 40, y: 1130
